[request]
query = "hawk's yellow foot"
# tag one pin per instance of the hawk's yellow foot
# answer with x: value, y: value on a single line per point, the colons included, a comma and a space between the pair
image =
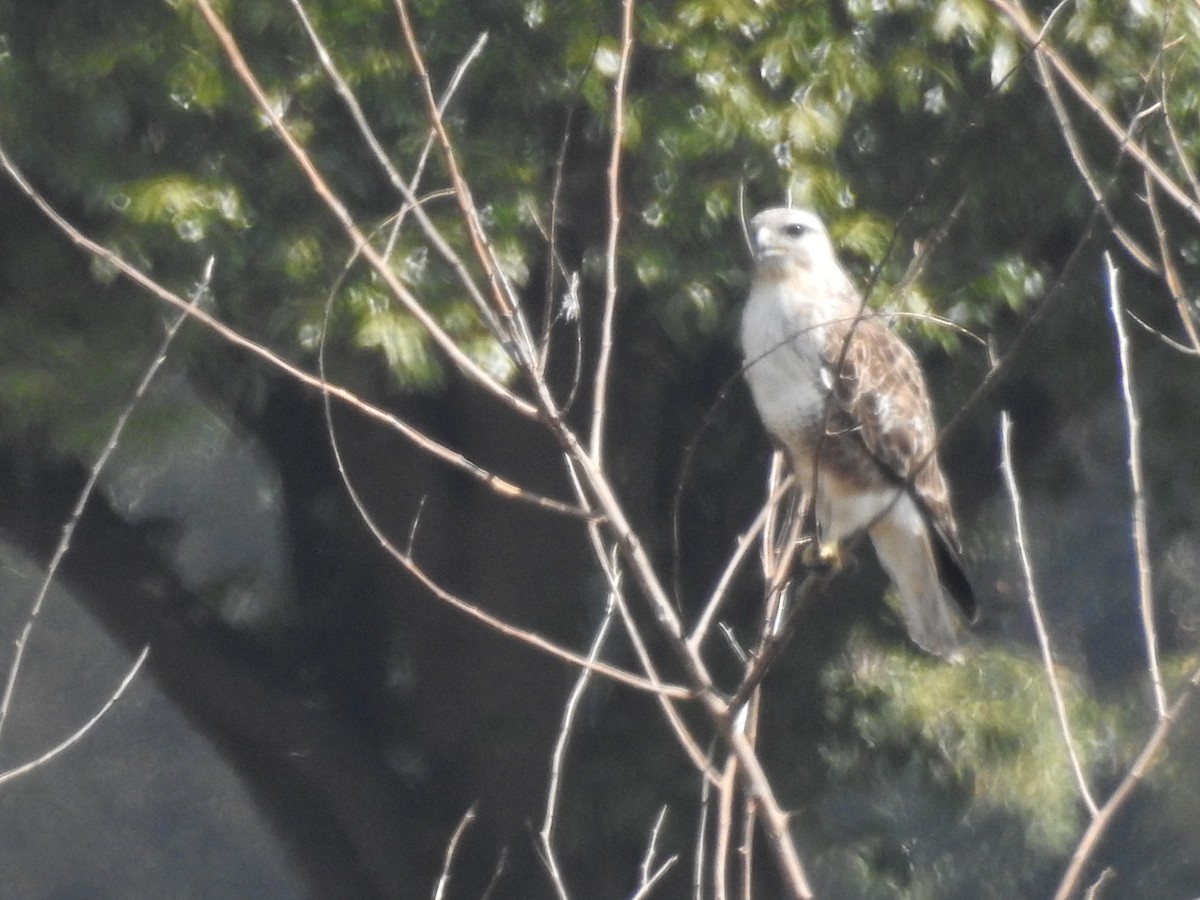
x: 824, y: 557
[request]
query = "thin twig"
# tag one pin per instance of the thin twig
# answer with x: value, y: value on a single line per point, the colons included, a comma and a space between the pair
x: 472, y: 370
x: 567, y: 308
x: 443, y: 881
x: 500, y: 485
x: 1141, y: 540
x: 749, y: 818
x: 199, y: 293
x: 682, y: 731
x: 1141, y: 767
x: 924, y: 251
x: 1020, y: 18
x: 1060, y: 706
x: 546, y: 835
x: 607, y: 561
x: 1075, y: 148
x: 776, y: 631
x: 782, y: 531
x: 600, y: 394
x: 756, y: 784
x: 724, y: 831
x: 83, y: 729
x: 501, y: 861
x: 409, y: 563
x: 1105, y: 877
x: 475, y: 612
x: 698, y: 865
x: 1182, y: 156
x: 514, y: 329
x: 1170, y: 270
x: 1166, y: 339
x: 407, y: 189
x: 744, y: 542
x: 648, y: 870
x: 655, y: 877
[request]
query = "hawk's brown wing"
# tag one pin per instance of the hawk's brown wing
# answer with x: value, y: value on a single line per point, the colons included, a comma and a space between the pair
x: 878, y: 387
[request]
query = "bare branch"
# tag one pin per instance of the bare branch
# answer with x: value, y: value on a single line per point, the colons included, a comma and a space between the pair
x: 1105, y: 877
x: 83, y: 729
x: 745, y: 541
x: 1141, y: 767
x: 1141, y: 539
x: 379, y: 265
x: 443, y: 881
x: 546, y: 835
x: 1170, y: 270
x: 1020, y: 18
x: 501, y: 486
x: 749, y: 818
x: 1060, y: 707
x: 494, y: 622
x: 600, y: 395
x: 606, y: 557
x: 1169, y: 341
x: 649, y: 884
x: 923, y: 251
x: 698, y: 866
x: 499, y: 870
x: 89, y: 487
x: 756, y: 784
x: 406, y: 189
x: 724, y: 833
x: 1135, y: 249
x: 589, y: 465
x: 650, y: 874
x: 1181, y: 155
x: 514, y: 329
x: 568, y: 306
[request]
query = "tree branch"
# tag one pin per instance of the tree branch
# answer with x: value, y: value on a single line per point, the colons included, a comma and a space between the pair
x: 600, y: 394
x: 1141, y: 538
x: 1020, y: 18
x: 500, y: 485
x: 379, y: 265
x: 1060, y: 707
x: 83, y: 729
x: 1141, y: 767
x: 443, y: 882
x: 89, y: 487
x: 514, y: 330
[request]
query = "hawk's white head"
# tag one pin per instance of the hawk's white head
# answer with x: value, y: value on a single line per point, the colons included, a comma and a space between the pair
x: 792, y: 238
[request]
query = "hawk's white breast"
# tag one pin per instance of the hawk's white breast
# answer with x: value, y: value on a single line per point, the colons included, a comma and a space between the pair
x: 782, y: 343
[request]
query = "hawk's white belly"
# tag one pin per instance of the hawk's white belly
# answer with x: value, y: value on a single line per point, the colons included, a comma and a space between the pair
x: 782, y: 348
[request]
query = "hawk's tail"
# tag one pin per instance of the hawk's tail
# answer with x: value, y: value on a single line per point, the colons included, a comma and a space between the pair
x: 928, y: 606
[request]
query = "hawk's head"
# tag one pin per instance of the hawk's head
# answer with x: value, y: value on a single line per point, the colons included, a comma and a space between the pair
x: 792, y: 237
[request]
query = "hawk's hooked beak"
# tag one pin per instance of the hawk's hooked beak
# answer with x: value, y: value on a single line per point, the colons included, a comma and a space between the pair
x: 764, y: 247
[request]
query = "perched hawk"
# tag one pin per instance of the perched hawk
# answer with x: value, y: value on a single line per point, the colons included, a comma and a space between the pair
x: 844, y: 398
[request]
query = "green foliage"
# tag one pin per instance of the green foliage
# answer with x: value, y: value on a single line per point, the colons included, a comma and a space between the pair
x: 188, y: 206
x: 169, y: 153
x: 993, y: 721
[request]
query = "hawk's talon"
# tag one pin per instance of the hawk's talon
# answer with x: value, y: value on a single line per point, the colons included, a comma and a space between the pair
x: 824, y: 558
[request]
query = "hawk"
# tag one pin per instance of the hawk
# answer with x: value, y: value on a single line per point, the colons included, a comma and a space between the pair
x: 845, y: 400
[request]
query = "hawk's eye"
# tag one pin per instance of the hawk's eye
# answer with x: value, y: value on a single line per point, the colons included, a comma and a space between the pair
x: 795, y: 230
